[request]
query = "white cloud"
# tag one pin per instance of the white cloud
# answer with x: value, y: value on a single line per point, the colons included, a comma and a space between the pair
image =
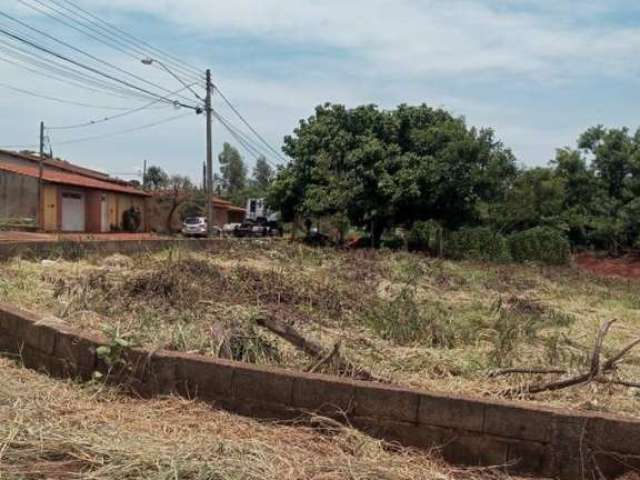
x: 429, y: 37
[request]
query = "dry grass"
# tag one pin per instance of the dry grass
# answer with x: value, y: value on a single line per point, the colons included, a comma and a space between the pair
x: 58, y: 430
x: 425, y: 323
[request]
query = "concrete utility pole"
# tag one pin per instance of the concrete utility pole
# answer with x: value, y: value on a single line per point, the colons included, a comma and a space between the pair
x: 40, y: 209
x: 144, y: 173
x: 208, y: 111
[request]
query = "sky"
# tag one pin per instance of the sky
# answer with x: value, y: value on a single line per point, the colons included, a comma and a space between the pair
x: 539, y: 72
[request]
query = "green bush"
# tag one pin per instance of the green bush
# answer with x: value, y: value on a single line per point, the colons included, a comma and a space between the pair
x: 478, y: 243
x: 428, y: 236
x: 392, y: 241
x: 540, y: 244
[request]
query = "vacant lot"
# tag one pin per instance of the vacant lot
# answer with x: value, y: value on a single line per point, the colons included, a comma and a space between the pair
x: 411, y: 320
x: 58, y: 430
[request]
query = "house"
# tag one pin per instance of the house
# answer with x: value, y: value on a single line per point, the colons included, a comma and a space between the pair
x: 72, y: 199
x: 162, y: 204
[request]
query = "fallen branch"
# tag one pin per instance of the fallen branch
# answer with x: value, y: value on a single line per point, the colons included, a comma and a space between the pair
x: 315, y: 350
x: 594, y: 373
x: 323, y: 361
x: 622, y: 383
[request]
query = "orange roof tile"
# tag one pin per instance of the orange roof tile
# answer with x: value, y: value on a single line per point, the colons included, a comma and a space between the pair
x: 74, y: 179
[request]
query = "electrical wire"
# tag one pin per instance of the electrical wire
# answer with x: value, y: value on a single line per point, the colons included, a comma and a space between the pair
x: 260, y: 137
x: 64, y: 71
x: 6, y: 147
x: 123, y: 132
x: 60, y: 100
x: 86, y: 67
x: 127, y: 37
x: 106, y: 119
x: 82, y: 52
x: 243, y: 139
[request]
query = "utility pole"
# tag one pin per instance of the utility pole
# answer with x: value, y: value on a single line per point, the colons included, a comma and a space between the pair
x: 207, y: 106
x: 144, y: 173
x: 40, y: 209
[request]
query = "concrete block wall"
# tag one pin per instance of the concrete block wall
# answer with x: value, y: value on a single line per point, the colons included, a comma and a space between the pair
x: 469, y: 431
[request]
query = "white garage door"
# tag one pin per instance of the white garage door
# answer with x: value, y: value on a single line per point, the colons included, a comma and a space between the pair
x: 72, y: 212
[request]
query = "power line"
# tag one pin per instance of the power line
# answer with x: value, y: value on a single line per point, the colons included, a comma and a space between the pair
x: 60, y: 100
x: 260, y: 137
x: 139, y: 44
x: 244, y: 140
x: 78, y: 50
x: 66, y: 72
x: 123, y: 132
x: 86, y: 67
x: 6, y: 147
x: 112, y: 117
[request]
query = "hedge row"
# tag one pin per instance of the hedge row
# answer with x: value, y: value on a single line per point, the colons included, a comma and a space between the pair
x: 540, y: 244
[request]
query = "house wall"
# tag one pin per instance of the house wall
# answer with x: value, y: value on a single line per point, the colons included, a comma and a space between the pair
x: 18, y: 198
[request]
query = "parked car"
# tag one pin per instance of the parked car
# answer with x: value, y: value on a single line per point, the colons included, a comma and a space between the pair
x: 267, y: 228
x: 245, y: 229
x: 195, y: 227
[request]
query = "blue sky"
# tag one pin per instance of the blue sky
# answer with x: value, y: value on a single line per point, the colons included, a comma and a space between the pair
x: 538, y: 72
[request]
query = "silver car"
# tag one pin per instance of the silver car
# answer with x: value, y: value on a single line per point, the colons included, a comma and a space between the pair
x: 195, y: 227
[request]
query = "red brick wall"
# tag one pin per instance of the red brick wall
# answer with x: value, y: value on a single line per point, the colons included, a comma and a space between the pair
x: 539, y: 441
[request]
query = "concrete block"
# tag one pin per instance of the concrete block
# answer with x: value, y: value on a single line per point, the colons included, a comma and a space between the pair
x: 530, y: 458
x: 323, y: 395
x: 474, y: 449
x: 266, y: 386
x: 451, y: 412
x: 77, y: 349
x: 386, y: 402
x: 614, y: 434
x: 518, y: 422
x: 41, y: 336
x: 407, y: 434
x: 198, y: 377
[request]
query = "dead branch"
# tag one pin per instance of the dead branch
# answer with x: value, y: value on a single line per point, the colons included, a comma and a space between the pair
x: 611, y: 363
x: 315, y: 350
x: 597, y: 349
x: 527, y: 371
x: 622, y: 383
x: 323, y: 361
x: 594, y: 373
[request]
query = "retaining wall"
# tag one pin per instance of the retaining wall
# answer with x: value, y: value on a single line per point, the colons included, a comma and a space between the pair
x: 74, y: 249
x: 532, y: 440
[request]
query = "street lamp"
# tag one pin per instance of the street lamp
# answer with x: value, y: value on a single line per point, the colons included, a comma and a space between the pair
x: 208, y: 111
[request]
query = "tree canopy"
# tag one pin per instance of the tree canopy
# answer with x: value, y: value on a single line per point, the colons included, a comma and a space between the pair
x: 385, y: 168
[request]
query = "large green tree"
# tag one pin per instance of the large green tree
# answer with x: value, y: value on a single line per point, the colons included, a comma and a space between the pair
x: 262, y: 174
x: 155, y: 178
x: 386, y: 168
x: 234, y: 172
x: 602, y: 182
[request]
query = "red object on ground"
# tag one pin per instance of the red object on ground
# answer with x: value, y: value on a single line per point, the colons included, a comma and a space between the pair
x: 625, y: 267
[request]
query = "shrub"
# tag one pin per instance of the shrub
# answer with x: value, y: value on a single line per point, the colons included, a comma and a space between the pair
x: 540, y: 244
x: 478, y: 243
x: 392, y: 241
x: 428, y: 236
